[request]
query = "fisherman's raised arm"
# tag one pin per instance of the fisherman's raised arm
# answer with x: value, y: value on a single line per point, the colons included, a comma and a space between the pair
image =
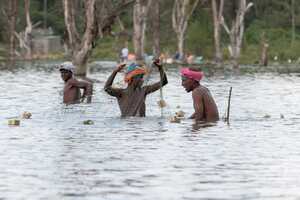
x: 117, y: 92
x: 163, y: 79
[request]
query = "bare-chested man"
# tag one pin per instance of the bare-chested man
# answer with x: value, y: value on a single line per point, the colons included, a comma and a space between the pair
x: 204, y: 104
x: 72, y: 86
x: 131, y: 100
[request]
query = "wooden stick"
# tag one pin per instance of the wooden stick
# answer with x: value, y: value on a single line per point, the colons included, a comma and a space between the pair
x: 228, y: 105
x: 161, y: 94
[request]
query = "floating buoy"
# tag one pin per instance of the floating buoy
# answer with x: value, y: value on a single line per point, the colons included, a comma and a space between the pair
x: 180, y: 114
x: 88, y: 122
x: 175, y: 119
x: 14, y: 122
x: 161, y: 103
x: 26, y: 115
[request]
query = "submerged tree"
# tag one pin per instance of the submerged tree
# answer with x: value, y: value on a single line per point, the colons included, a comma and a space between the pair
x: 217, y: 11
x: 182, y: 11
x: 236, y: 32
x: 140, y: 12
x: 155, y: 27
x: 25, y: 37
x: 264, y: 50
x: 10, y: 14
x: 80, y: 47
x: 98, y: 19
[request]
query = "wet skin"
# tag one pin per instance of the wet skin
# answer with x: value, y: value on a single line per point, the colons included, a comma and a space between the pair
x: 203, y: 102
x: 72, y: 88
x: 131, y: 100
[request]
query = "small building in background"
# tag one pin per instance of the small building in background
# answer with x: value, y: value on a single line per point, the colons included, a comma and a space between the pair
x: 45, y: 42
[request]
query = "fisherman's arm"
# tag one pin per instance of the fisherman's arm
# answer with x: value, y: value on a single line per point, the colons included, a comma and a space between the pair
x: 88, y: 92
x: 163, y: 80
x: 87, y: 89
x: 108, y: 85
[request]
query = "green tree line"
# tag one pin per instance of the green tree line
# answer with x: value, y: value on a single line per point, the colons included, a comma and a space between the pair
x: 275, y: 20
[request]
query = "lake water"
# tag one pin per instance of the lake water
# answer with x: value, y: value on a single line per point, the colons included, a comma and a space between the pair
x: 55, y: 156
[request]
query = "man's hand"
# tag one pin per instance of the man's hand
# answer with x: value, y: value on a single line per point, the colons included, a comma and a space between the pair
x: 120, y: 67
x: 157, y: 63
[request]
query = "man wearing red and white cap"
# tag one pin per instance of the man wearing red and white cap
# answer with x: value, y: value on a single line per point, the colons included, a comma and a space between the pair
x: 72, y: 86
x: 204, y: 104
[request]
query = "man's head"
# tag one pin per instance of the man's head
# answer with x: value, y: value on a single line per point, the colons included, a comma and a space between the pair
x: 67, y: 70
x: 190, y: 78
x: 134, y: 75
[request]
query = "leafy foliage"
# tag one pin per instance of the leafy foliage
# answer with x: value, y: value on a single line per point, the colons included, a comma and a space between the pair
x: 271, y: 17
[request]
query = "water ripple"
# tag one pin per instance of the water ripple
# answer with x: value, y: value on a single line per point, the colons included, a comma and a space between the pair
x: 55, y: 156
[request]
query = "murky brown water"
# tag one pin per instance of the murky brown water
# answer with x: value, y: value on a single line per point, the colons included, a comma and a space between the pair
x: 54, y: 156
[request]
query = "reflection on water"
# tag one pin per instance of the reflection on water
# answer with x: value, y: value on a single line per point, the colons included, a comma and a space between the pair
x: 55, y: 156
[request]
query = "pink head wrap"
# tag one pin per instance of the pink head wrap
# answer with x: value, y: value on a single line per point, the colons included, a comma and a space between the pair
x: 186, y: 72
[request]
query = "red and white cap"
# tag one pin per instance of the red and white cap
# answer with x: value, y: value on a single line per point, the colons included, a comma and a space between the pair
x: 67, y: 66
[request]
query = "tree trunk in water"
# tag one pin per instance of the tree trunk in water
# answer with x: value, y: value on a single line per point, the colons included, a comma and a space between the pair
x: 28, y: 30
x: 264, y: 55
x: 137, y: 32
x: 80, y: 60
x: 217, y: 10
x: 234, y: 49
x: 80, y: 48
x: 156, y: 28
x: 218, y: 51
x: 140, y: 11
x: 264, y: 51
x: 89, y: 35
x: 25, y: 37
x: 181, y: 13
x: 12, y: 15
x: 236, y: 32
x: 180, y: 46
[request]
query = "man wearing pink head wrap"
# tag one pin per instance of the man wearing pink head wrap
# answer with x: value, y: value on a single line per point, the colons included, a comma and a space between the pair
x: 204, y: 104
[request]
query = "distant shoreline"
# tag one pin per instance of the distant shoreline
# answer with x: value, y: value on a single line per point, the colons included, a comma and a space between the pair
x: 209, y: 68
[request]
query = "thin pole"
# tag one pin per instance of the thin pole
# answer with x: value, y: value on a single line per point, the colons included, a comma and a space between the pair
x: 162, y: 103
x: 228, y: 106
x: 161, y: 98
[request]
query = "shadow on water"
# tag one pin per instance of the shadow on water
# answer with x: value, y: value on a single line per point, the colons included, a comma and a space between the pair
x: 200, y: 125
x: 55, y: 155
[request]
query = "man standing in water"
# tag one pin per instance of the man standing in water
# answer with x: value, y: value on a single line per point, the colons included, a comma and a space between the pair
x: 72, y: 86
x: 131, y: 100
x: 124, y: 55
x: 204, y: 104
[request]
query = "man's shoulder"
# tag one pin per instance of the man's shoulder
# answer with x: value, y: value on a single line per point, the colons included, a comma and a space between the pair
x: 200, y: 90
x: 115, y: 91
x: 72, y: 81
